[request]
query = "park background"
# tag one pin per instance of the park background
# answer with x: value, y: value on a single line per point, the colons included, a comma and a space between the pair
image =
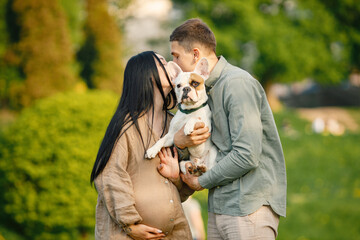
x: 61, y: 68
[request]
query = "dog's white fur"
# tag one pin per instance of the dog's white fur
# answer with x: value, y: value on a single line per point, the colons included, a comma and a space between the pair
x: 202, y: 156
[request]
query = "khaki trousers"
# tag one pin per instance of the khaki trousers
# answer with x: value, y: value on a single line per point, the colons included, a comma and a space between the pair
x: 262, y: 224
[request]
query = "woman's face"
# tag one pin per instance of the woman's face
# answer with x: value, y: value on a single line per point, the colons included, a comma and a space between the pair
x: 164, y: 81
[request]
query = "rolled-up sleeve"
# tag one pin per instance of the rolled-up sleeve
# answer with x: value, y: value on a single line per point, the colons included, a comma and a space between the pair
x: 242, y: 106
x: 185, y: 192
x: 114, y: 186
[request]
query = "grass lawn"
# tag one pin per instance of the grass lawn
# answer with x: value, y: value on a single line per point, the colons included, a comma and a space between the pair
x: 323, y: 174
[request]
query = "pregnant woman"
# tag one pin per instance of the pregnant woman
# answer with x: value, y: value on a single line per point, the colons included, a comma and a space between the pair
x: 140, y: 198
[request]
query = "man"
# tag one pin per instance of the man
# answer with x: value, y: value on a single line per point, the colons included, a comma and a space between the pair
x: 247, y: 186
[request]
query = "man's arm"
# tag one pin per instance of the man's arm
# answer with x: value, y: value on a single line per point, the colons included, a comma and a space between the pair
x: 242, y: 103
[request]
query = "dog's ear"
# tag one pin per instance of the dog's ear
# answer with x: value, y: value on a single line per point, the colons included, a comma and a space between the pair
x: 174, y: 70
x: 202, y: 68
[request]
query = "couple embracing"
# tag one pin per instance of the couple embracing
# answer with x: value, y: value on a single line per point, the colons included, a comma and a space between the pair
x: 141, y: 199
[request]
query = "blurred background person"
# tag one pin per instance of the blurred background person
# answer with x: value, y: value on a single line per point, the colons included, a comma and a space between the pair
x: 192, y: 210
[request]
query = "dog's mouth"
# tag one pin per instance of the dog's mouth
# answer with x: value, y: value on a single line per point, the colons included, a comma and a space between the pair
x: 187, y: 100
x: 188, y: 97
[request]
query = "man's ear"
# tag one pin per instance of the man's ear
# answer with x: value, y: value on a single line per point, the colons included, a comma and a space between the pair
x: 202, y: 68
x: 196, y: 53
x: 174, y: 70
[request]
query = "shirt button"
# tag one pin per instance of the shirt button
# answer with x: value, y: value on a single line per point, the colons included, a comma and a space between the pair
x: 171, y: 201
x: 166, y: 181
x: 219, y: 150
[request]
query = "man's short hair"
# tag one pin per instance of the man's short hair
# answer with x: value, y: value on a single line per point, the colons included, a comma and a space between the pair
x: 194, y: 31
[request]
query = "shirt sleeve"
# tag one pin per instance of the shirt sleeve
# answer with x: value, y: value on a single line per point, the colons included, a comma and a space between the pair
x: 115, y: 187
x: 183, y: 153
x: 242, y: 103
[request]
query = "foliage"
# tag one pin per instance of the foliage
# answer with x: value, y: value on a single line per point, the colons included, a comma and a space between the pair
x: 347, y: 14
x: 11, y: 78
x: 75, y: 14
x: 8, y: 234
x: 323, y: 181
x: 101, y: 53
x: 39, y: 50
x: 282, y: 41
x: 46, y: 157
x: 3, y: 32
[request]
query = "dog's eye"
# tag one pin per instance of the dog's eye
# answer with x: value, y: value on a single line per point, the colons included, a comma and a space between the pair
x: 195, y: 84
x: 178, y: 86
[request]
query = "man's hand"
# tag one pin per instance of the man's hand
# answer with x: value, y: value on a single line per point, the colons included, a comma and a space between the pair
x: 141, y: 231
x: 198, y: 136
x: 191, y: 180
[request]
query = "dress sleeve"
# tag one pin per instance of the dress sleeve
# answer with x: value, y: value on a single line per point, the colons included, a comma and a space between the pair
x: 185, y: 191
x: 115, y: 187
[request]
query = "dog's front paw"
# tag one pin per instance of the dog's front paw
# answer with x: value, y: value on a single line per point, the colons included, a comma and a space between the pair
x: 184, y: 166
x: 190, y: 167
x: 202, y: 168
x: 151, y: 153
x: 188, y: 129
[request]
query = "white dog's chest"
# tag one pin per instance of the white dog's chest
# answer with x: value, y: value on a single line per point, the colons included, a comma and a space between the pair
x: 180, y: 118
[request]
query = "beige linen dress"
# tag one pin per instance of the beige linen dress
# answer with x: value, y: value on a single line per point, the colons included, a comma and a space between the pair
x: 131, y: 190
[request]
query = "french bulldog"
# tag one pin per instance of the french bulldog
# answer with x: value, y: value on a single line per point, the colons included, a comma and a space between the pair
x: 192, y: 108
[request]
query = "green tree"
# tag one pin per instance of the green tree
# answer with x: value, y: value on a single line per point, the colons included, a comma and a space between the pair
x: 3, y: 32
x: 347, y: 14
x: 101, y: 52
x: 277, y: 41
x: 75, y: 14
x: 40, y: 49
x: 12, y: 79
x: 46, y: 157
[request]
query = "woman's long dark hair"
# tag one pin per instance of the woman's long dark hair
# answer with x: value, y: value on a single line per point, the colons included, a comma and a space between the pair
x: 137, y: 99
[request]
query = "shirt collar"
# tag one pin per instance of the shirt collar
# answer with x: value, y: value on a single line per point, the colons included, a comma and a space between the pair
x: 216, y: 72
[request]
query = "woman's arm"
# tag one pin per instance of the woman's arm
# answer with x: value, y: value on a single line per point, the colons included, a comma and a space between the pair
x: 114, y: 186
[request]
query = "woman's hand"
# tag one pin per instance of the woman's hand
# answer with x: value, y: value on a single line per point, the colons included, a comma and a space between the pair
x: 141, y: 231
x: 169, y: 166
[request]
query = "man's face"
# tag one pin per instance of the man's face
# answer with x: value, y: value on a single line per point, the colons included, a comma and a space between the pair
x: 185, y: 60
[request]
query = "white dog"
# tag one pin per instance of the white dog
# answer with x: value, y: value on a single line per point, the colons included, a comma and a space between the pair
x: 192, y: 104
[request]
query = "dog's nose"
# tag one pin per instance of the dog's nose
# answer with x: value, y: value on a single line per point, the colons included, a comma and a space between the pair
x: 186, y: 89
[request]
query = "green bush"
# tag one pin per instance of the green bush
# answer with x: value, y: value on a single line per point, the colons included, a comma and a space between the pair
x: 46, y: 157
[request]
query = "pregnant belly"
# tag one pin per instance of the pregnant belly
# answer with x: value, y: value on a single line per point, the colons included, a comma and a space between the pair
x: 156, y: 207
